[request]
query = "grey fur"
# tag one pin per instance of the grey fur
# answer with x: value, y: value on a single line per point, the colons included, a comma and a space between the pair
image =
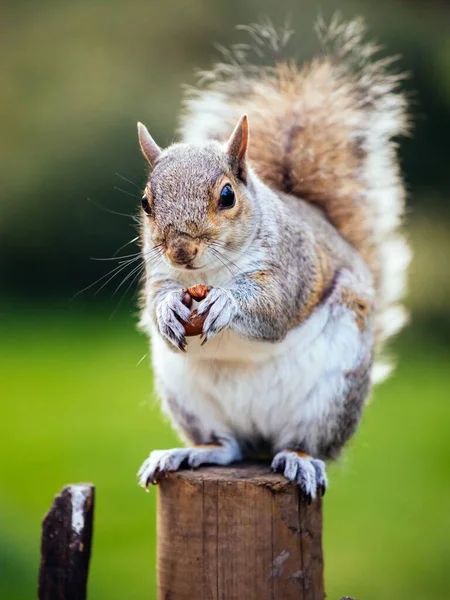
x: 345, y: 422
x: 286, y: 261
x: 188, y: 423
x: 263, y: 303
x: 180, y: 185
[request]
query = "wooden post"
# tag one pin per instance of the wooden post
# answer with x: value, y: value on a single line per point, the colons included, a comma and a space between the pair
x: 234, y: 533
x: 66, y: 544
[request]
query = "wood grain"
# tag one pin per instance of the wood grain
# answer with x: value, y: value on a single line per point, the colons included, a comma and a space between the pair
x: 229, y: 533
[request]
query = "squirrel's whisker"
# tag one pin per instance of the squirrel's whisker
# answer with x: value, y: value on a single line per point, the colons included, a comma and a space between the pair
x: 135, y: 239
x: 120, y: 269
x: 128, y: 180
x: 127, y: 192
x: 127, y: 277
x: 216, y: 254
x: 112, y: 212
x: 115, y: 271
x: 226, y: 261
x: 133, y: 280
x: 135, y: 255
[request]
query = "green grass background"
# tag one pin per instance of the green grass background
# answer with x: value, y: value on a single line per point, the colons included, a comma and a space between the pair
x: 76, y: 401
x: 77, y: 406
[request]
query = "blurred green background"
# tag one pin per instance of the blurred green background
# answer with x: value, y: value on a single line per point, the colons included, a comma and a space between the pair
x: 76, y: 399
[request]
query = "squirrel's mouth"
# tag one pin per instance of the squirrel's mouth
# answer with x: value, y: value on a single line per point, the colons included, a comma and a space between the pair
x: 188, y: 266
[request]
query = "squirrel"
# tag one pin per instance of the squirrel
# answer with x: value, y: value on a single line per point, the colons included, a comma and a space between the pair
x: 292, y: 219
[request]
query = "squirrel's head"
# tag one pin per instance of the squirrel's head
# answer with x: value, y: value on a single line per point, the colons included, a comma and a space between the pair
x: 197, y: 207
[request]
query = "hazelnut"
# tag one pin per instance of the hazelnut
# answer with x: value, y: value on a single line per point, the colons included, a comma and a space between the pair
x: 195, y: 327
x: 197, y: 293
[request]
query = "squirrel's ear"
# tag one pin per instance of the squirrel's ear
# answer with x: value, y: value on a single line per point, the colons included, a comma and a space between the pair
x: 149, y: 147
x: 237, y: 148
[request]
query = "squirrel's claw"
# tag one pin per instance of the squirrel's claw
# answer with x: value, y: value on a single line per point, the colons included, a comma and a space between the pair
x: 221, y: 308
x: 309, y: 473
x: 168, y: 314
x: 161, y: 462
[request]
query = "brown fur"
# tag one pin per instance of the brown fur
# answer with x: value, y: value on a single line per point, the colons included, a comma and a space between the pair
x: 322, y: 132
x: 360, y: 307
x: 310, y: 153
x: 305, y: 148
x: 324, y: 277
x: 300, y: 454
x: 207, y: 446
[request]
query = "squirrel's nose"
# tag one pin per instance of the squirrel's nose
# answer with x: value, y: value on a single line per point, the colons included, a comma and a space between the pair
x: 182, y: 251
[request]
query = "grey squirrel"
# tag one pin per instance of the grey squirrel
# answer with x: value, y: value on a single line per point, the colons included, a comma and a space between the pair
x: 291, y: 217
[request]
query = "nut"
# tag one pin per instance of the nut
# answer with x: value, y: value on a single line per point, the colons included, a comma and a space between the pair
x: 199, y: 292
x: 195, y: 327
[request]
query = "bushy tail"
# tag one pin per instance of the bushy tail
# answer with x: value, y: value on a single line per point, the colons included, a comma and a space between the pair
x: 323, y: 132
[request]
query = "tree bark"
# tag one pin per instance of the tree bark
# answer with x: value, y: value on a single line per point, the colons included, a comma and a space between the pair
x: 66, y: 544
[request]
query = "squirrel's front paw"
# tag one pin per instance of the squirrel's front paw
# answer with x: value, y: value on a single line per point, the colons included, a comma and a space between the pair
x: 221, y: 308
x: 168, y: 314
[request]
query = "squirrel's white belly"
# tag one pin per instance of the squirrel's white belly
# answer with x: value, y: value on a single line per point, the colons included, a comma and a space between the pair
x: 259, y: 391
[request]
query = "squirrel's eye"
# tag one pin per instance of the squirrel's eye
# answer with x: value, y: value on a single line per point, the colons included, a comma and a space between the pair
x: 146, y: 206
x: 227, y: 198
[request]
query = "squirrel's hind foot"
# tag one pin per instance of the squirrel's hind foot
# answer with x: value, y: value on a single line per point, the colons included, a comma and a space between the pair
x: 308, y: 472
x: 161, y: 462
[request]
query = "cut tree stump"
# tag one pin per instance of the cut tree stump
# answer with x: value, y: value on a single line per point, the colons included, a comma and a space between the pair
x: 66, y: 544
x: 237, y: 533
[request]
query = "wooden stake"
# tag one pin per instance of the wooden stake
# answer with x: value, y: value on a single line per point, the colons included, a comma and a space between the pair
x: 234, y: 533
x: 66, y: 544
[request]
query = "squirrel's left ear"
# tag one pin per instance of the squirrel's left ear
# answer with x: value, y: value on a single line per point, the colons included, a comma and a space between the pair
x: 149, y: 147
x: 237, y: 148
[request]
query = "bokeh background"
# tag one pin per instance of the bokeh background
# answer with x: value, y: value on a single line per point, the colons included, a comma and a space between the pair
x: 75, y: 384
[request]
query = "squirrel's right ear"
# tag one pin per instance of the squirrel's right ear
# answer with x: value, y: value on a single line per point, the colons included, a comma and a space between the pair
x: 149, y: 147
x: 237, y: 148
